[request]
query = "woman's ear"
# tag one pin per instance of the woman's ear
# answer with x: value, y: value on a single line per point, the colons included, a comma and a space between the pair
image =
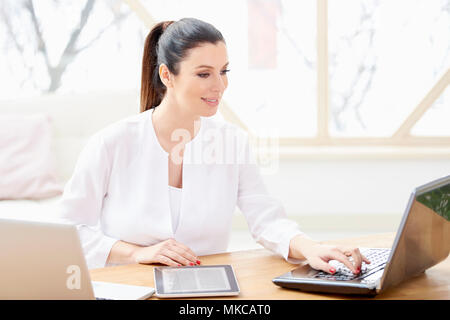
x: 164, y: 75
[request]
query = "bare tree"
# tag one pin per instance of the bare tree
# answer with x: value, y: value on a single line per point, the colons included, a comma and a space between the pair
x: 357, y: 89
x: 72, y: 48
x: 444, y: 13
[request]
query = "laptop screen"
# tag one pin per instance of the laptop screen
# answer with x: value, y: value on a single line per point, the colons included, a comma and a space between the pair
x: 437, y: 200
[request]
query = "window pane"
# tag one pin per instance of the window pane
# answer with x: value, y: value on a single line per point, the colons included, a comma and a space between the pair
x: 435, y: 121
x: 272, y: 52
x: 61, y: 53
x: 384, y: 58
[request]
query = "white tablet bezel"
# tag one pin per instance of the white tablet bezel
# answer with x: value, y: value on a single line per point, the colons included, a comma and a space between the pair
x: 161, y: 292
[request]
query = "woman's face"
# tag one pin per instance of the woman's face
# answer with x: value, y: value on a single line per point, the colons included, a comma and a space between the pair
x: 201, y: 80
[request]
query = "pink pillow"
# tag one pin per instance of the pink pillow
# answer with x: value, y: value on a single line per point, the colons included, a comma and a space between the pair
x: 26, y: 163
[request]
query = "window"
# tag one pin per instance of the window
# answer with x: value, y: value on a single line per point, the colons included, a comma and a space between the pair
x: 275, y: 93
x: 384, y: 57
x: 69, y: 46
x: 313, y: 72
x: 435, y: 122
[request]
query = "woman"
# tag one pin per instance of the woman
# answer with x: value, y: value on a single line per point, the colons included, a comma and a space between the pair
x: 151, y: 188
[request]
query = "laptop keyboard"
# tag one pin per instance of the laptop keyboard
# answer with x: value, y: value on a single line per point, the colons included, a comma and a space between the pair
x: 377, y: 258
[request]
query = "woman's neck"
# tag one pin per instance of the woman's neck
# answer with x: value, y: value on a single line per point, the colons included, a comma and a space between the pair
x: 168, y: 118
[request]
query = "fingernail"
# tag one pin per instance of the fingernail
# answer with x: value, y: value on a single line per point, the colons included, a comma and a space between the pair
x: 198, y: 262
x: 179, y: 265
x: 332, y: 270
x: 191, y: 264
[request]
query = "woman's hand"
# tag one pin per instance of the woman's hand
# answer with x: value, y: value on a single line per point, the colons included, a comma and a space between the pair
x: 169, y: 252
x: 318, y: 255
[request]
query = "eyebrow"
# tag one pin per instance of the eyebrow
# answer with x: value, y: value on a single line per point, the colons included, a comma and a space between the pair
x: 210, y: 67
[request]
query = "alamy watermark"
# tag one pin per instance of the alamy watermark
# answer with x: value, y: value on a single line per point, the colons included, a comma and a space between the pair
x: 225, y: 145
x: 74, y: 279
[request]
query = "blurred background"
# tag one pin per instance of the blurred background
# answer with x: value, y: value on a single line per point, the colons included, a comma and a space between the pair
x: 347, y: 101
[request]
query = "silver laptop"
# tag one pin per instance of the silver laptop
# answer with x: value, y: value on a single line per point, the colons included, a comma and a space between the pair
x: 43, y: 261
x: 423, y: 240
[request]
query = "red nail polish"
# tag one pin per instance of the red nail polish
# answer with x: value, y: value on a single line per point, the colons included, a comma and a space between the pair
x: 179, y: 265
x: 191, y: 264
x: 332, y: 270
x: 198, y: 262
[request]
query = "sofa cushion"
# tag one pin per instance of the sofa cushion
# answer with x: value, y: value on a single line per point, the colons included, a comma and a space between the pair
x: 27, y: 166
x: 75, y: 117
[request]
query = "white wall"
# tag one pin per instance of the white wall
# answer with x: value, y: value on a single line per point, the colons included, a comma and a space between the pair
x: 345, y: 195
x: 351, y: 187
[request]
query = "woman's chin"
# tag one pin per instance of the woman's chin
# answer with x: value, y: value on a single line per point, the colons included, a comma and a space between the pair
x: 210, y: 112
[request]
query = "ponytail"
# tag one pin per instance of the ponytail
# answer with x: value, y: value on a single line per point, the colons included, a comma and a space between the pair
x: 168, y: 43
x: 152, y: 89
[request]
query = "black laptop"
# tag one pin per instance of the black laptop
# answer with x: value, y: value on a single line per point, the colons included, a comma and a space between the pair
x: 423, y: 240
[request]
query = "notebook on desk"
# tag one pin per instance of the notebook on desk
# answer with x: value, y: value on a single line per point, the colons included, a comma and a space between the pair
x: 42, y: 261
x: 422, y: 241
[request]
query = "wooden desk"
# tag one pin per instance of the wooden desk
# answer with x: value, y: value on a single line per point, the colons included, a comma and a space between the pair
x: 255, y: 270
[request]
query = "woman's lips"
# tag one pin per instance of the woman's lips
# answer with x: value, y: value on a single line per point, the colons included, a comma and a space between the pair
x: 211, y: 102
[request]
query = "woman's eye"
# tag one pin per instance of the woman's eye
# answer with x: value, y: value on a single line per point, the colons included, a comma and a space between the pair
x: 206, y: 75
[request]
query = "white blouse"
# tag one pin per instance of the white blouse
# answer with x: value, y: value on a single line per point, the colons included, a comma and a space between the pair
x: 175, y: 203
x: 119, y: 191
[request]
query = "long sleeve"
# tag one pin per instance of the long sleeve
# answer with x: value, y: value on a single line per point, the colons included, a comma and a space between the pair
x: 265, y: 215
x: 82, y: 201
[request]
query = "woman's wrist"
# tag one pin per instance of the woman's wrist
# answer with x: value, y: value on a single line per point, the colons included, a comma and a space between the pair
x: 134, y: 252
x: 299, y: 245
x: 123, y: 252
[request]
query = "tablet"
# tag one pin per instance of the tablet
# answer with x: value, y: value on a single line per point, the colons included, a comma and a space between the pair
x: 195, y: 281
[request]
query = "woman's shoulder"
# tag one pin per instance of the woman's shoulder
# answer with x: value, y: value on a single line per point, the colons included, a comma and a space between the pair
x: 224, y: 127
x: 126, y: 125
x: 228, y: 137
x: 126, y: 129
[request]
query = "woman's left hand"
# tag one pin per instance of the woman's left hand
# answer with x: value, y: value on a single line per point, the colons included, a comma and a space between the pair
x: 318, y: 255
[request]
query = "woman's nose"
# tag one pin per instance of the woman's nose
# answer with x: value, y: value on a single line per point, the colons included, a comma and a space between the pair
x: 219, y: 84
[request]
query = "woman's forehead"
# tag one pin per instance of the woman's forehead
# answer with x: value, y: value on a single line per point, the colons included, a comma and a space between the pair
x: 207, y: 55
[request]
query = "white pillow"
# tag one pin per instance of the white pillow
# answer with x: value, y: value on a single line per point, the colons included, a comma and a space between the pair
x: 26, y: 163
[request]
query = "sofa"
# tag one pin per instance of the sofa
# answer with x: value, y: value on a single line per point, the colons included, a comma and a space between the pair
x: 72, y: 119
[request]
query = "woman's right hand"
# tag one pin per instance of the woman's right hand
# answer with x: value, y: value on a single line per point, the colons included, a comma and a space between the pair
x: 169, y: 252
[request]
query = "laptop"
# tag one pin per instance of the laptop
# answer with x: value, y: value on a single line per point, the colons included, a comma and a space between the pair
x: 42, y: 261
x: 422, y: 241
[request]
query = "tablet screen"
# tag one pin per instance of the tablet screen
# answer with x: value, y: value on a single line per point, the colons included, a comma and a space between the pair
x: 192, y: 281
x: 195, y: 280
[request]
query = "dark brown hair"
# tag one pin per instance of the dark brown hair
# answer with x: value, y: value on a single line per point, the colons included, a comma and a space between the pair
x: 168, y: 43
